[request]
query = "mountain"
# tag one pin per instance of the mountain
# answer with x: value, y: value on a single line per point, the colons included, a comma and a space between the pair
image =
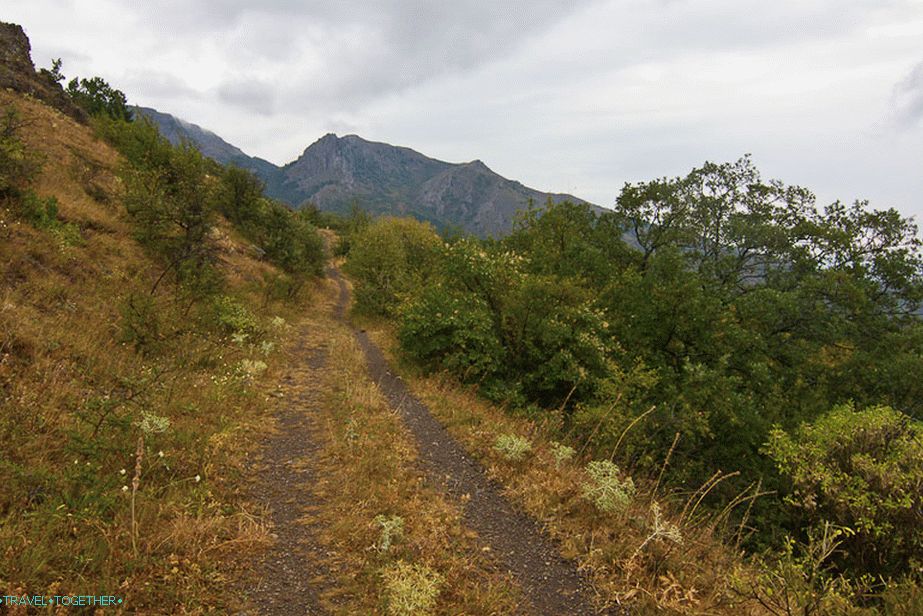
x: 336, y: 172
x: 210, y: 144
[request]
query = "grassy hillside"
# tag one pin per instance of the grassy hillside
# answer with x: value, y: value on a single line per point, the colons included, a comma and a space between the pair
x: 124, y: 402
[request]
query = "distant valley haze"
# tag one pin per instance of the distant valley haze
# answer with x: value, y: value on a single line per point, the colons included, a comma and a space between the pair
x: 566, y: 97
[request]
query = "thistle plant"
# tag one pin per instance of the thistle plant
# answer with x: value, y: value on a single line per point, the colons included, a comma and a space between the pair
x: 562, y: 453
x: 392, y: 528
x: 606, y: 489
x: 151, y: 423
x: 512, y: 447
x: 250, y: 368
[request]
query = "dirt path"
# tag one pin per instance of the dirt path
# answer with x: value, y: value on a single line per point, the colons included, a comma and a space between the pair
x: 551, y: 583
x: 287, y: 575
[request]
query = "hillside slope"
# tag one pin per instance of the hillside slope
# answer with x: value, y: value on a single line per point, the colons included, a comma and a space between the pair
x: 125, y: 406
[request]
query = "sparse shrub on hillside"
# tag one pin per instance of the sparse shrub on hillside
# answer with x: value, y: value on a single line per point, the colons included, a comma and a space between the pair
x: 170, y: 206
x: 411, y: 589
x: 512, y: 447
x: 288, y: 239
x: 606, y: 489
x: 17, y: 164
x: 41, y: 213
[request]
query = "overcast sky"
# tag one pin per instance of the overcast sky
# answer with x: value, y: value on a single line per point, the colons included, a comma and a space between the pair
x: 575, y: 95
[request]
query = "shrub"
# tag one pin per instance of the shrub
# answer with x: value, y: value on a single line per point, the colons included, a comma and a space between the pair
x: 411, y: 590
x: 17, y: 164
x: 390, y: 260
x: 513, y: 447
x: 234, y: 318
x: 609, y: 492
x: 860, y: 470
x: 447, y: 330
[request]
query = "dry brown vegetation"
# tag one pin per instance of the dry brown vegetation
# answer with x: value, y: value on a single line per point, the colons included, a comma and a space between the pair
x: 74, y: 394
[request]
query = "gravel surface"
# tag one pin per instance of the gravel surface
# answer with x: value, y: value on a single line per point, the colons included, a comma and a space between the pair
x: 288, y: 576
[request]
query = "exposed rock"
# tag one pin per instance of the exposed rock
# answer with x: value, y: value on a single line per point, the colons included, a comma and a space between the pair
x: 17, y: 72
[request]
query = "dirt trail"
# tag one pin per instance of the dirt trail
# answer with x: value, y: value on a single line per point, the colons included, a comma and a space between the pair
x: 551, y: 583
x: 288, y: 574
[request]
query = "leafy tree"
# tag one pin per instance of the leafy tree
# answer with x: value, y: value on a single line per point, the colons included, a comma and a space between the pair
x: 97, y: 97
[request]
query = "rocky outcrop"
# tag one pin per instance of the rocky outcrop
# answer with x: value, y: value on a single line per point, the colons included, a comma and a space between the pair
x: 17, y: 72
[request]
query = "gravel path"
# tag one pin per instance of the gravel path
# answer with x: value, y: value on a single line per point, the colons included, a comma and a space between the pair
x: 288, y: 574
x: 551, y: 583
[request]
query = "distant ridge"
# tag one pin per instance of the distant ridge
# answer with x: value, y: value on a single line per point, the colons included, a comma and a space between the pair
x: 335, y: 172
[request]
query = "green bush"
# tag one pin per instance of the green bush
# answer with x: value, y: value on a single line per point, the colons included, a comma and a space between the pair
x: 17, y: 164
x: 860, y: 470
x: 389, y: 261
x: 446, y: 329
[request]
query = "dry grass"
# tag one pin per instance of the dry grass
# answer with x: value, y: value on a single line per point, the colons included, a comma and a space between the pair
x: 632, y: 556
x: 368, y: 468
x: 72, y: 393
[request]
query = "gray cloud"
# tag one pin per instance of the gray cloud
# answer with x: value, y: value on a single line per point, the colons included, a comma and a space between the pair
x: 355, y: 52
x: 253, y: 95
x: 579, y: 96
x: 908, y: 98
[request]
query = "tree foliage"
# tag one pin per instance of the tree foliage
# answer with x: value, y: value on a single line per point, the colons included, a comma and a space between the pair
x: 97, y: 97
x: 705, y: 313
x: 862, y: 470
x: 390, y: 262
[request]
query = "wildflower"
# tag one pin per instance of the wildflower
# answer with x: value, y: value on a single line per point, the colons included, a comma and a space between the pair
x: 124, y: 488
x: 198, y: 478
x: 160, y: 454
x: 122, y: 472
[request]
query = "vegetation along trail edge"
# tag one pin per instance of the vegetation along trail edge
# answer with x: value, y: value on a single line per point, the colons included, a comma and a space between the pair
x: 551, y: 582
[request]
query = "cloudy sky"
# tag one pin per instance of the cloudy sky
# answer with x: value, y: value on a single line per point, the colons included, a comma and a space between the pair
x: 572, y: 95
